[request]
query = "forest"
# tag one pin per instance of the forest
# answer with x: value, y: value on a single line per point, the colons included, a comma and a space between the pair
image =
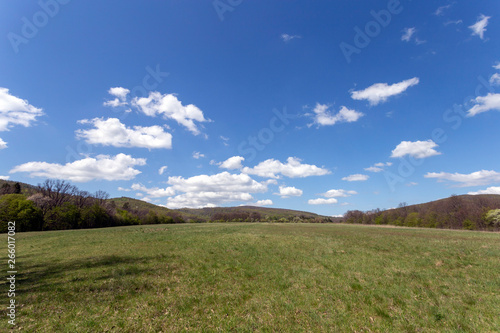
x: 470, y: 212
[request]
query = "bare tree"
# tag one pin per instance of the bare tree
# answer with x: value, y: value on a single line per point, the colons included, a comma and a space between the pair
x: 59, y: 191
x: 101, y: 197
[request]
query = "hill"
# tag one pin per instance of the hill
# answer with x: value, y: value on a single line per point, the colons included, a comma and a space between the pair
x: 224, y: 214
x: 455, y: 212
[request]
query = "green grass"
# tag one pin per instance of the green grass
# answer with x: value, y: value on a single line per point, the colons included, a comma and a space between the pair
x: 256, y: 277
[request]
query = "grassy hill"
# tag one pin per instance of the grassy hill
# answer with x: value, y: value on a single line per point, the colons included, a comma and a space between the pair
x: 245, y: 277
x: 209, y: 214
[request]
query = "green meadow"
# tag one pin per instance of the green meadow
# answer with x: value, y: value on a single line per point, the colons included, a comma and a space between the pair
x: 253, y: 277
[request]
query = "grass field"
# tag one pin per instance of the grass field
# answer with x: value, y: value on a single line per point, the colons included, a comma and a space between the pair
x: 256, y: 277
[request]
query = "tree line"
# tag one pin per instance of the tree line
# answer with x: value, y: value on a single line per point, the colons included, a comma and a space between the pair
x: 457, y: 212
x: 59, y: 205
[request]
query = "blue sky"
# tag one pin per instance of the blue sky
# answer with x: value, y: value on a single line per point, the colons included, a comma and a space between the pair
x: 317, y: 106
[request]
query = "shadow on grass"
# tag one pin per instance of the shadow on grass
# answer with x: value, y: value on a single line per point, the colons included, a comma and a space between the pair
x: 53, y: 276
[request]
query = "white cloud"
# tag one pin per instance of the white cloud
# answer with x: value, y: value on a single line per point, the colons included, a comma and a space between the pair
x: 331, y: 195
x: 412, y: 184
x: 417, y: 149
x: 485, y: 103
x: 120, y: 97
x: 210, y: 191
x: 4, y: 177
x: 380, y: 92
x: 170, y: 107
x: 260, y: 203
x: 232, y: 163
x: 338, y: 193
x: 161, y: 170
x: 378, y: 167
x: 489, y: 190
x: 16, y: 111
x: 441, y: 9
x: 119, y: 92
x: 124, y: 189
x: 3, y: 144
x: 495, y: 79
x: 408, y: 33
x: 154, y: 192
x: 478, y: 178
x: 324, y: 117
x: 272, y: 168
x: 322, y: 201
x: 497, y: 65
x: 197, y: 155
x: 111, y: 132
x: 103, y: 167
x: 224, y: 140
x: 453, y: 22
x: 479, y: 27
x: 290, y: 191
x: 287, y: 37
x: 356, y: 178
x: 419, y: 41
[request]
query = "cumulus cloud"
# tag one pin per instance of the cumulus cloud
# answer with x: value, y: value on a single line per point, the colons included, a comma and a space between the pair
x: 272, y: 168
x: 103, y: 167
x: 120, y: 95
x: 286, y: 192
x: 417, y: 149
x: 286, y: 37
x: 4, y: 177
x: 338, y: 193
x: 169, y: 106
x: 214, y: 190
x: 260, y: 203
x: 378, y: 167
x: 111, y: 132
x: 485, y: 103
x: 478, y: 178
x: 497, y: 65
x: 157, y: 104
x: 489, y: 190
x: 154, y: 192
x: 16, y: 111
x: 323, y: 117
x: 232, y: 163
x: 495, y: 79
x: 479, y: 27
x: 331, y: 195
x: 3, y: 144
x: 356, y: 178
x: 322, y: 201
x: 380, y: 92
x: 408, y: 33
